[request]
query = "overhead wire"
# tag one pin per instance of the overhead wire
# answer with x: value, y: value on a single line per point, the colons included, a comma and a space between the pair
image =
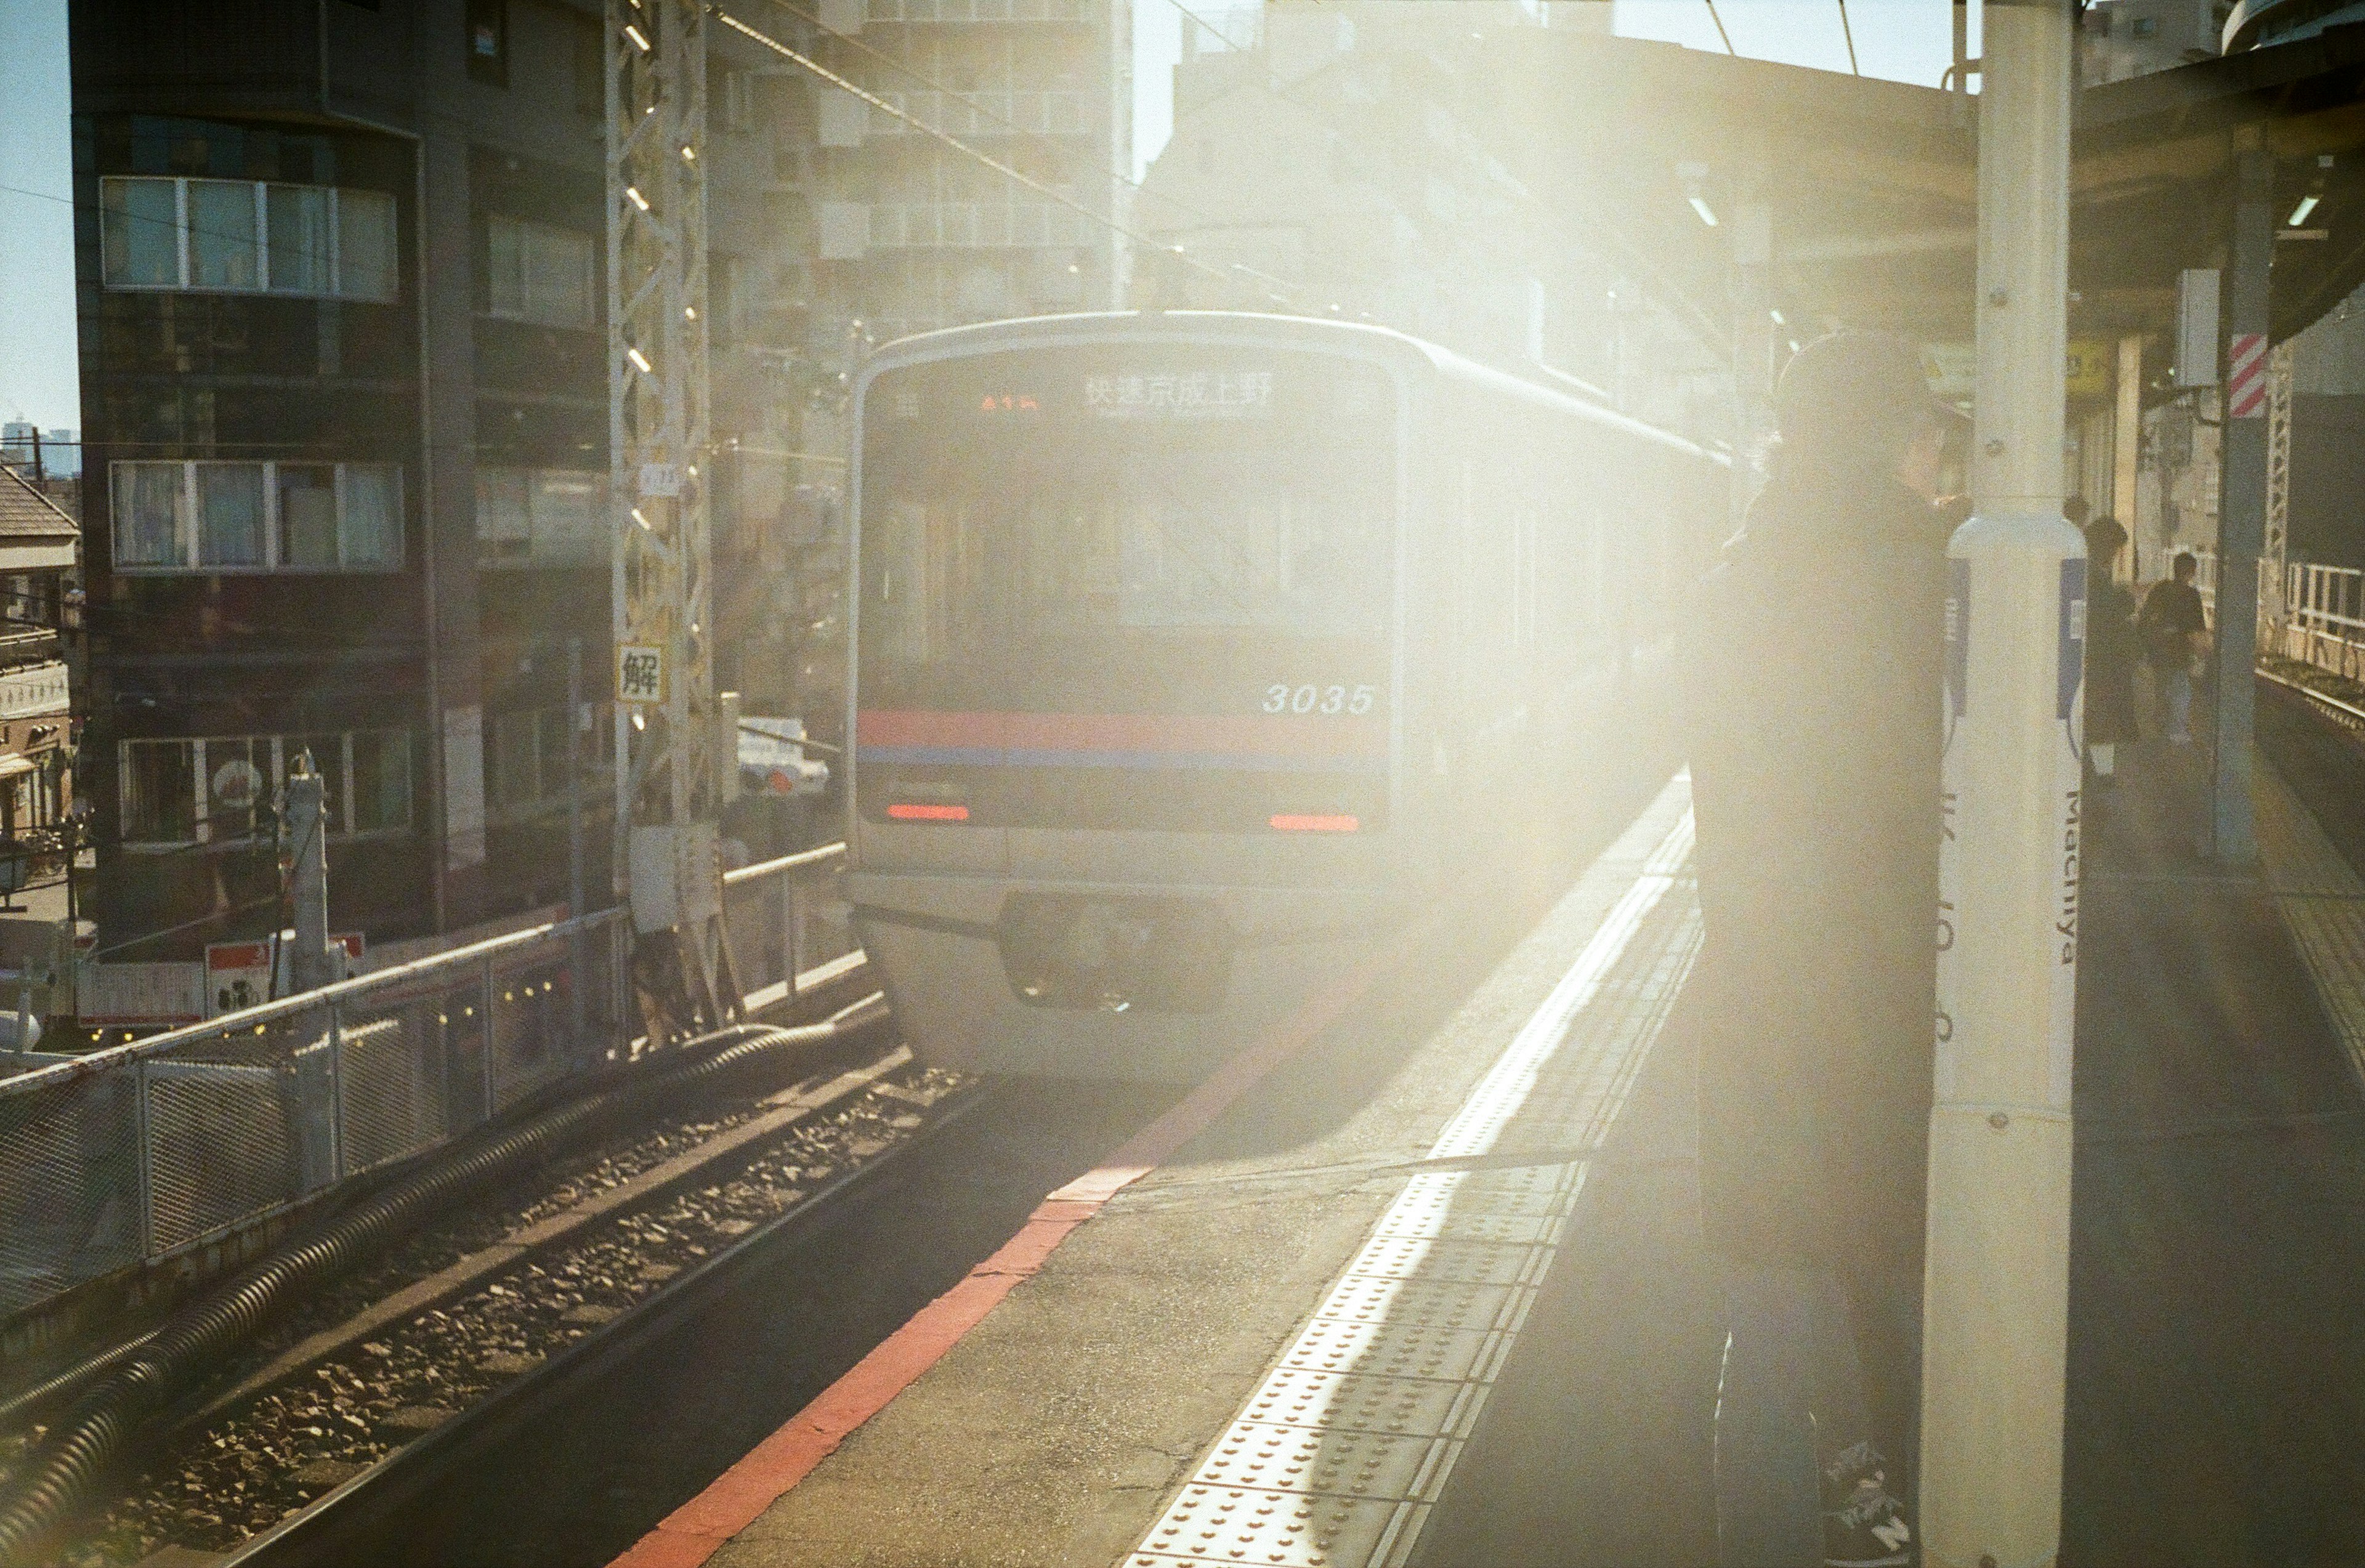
x: 977, y: 106
x: 1719, y: 29
x: 1017, y: 177
x: 1848, y: 33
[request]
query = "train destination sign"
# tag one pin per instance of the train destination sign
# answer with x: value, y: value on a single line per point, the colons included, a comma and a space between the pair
x: 1189, y: 395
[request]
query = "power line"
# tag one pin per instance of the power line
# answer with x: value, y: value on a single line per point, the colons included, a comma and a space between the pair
x: 956, y: 144
x: 1849, y: 33
x: 1719, y: 29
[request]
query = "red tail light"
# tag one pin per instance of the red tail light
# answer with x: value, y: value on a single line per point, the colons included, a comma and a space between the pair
x: 908, y: 812
x: 1287, y: 823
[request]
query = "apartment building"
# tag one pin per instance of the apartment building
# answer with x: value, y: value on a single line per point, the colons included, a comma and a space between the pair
x: 340, y: 266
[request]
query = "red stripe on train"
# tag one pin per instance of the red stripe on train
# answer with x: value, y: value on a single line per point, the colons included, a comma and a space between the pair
x: 1262, y: 734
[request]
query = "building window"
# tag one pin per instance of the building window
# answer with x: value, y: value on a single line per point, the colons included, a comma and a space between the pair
x: 248, y: 237
x: 738, y: 100
x: 590, y: 71
x: 221, y: 789
x: 488, y: 41
x: 538, y: 274
x: 527, y: 759
x: 541, y: 517
x: 257, y: 517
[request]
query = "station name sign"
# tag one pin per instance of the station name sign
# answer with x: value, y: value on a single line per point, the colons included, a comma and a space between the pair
x: 1189, y: 395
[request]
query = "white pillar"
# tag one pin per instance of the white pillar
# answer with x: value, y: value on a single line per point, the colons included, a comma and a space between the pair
x: 1995, y: 1328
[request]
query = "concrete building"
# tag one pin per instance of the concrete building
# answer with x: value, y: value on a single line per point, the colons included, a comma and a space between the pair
x: 908, y: 234
x: 2135, y: 38
x: 38, y: 546
x: 340, y: 271
x: 1323, y: 161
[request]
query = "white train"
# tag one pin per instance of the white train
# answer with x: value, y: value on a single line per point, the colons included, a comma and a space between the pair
x: 1196, y: 653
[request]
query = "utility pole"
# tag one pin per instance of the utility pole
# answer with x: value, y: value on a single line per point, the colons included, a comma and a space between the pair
x: 2242, y: 498
x: 666, y: 809
x: 310, y: 966
x: 1995, y: 1326
x: 579, y: 723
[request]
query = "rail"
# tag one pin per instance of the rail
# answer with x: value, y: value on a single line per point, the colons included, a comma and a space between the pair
x: 160, y: 1147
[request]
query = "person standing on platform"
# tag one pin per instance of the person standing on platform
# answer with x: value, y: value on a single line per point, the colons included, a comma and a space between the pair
x: 1815, y: 783
x: 2110, y: 653
x: 2173, y: 627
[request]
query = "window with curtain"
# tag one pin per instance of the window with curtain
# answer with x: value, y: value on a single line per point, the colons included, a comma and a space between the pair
x: 247, y: 236
x: 539, y: 273
x: 225, y: 248
x: 541, y: 517
x: 217, y: 789
x: 140, y: 220
x: 246, y: 517
x: 301, y: 258
x: 230, y: 514
x: 152, y: 511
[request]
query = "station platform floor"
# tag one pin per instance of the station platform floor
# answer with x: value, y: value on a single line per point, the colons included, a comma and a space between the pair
x: 1446, y: 1304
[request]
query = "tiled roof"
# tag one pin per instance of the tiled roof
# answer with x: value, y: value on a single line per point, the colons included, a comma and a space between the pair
x: 25, y: 513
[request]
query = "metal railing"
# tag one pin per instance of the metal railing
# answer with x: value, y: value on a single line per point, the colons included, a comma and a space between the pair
x: 158, y: 1148
x: 2324, y: 618
x: 2318, y: 618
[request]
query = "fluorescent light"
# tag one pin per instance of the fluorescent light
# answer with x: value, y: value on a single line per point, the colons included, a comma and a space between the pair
x: 2299, y: 213
x: 1706, y: 214
x: 639, y: 40
x: 640, y: 361
x: 634, y: 192
x: 1779, y: 320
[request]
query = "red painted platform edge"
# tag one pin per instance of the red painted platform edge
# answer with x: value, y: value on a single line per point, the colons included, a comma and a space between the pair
x: 696, y: 1531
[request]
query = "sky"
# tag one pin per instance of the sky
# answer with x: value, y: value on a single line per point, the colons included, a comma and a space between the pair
x: 1904, y: 39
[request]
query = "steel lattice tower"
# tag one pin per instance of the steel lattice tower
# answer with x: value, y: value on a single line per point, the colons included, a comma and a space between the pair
x: 667, y: 794
x: 2275, y: 546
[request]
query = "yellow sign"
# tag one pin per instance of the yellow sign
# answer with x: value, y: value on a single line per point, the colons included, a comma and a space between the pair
x: 640, y: 673
x: 2092, y: 361
x: 1951, y: 368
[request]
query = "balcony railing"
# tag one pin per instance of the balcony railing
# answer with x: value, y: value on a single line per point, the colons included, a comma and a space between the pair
x: 981, y: 11
x: 953, y: 225
x: 1016, y: 113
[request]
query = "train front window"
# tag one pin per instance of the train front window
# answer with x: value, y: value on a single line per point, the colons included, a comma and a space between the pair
x: 1101, y: 546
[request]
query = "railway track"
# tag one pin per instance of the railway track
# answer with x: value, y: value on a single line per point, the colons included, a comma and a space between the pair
x: 2314, y: 734
x: 490, y: 1312
x: 333, y: 1527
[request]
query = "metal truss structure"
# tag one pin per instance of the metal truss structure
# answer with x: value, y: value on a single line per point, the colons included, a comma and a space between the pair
x: 2274, y: 548
x: 667, y: 742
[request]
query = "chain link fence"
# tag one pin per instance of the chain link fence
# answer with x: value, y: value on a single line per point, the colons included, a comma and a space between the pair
x: 144, y: 1150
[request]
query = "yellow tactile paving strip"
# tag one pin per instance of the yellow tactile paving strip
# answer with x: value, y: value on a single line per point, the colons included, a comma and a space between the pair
x: 1337, y: 1459
x: 2322, y: 902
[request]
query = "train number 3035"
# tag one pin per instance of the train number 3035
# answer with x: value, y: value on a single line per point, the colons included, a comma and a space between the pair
x: 1281, y: 697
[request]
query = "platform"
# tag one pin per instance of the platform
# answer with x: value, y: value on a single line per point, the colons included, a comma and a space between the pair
x: 1444, y: 1301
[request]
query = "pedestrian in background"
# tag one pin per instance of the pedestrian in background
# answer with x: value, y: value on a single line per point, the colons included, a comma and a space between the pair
x: 1815, y: 780
x: 2110, y: 653
x: 2173, y: 628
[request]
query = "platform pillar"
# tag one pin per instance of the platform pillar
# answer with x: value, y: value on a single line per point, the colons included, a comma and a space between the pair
x: 2241, y: 506
x: 1996, y: 1315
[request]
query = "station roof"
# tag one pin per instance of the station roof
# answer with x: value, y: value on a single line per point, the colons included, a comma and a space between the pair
x: 1872, y: 184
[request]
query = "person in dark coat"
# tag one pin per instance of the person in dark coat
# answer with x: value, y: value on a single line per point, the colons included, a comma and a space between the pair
x: 2173, y: 627
x: 2110, y: 650
x: 1815, y: 781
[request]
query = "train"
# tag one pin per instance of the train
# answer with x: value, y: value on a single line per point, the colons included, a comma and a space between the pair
x: 1196, y: 654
